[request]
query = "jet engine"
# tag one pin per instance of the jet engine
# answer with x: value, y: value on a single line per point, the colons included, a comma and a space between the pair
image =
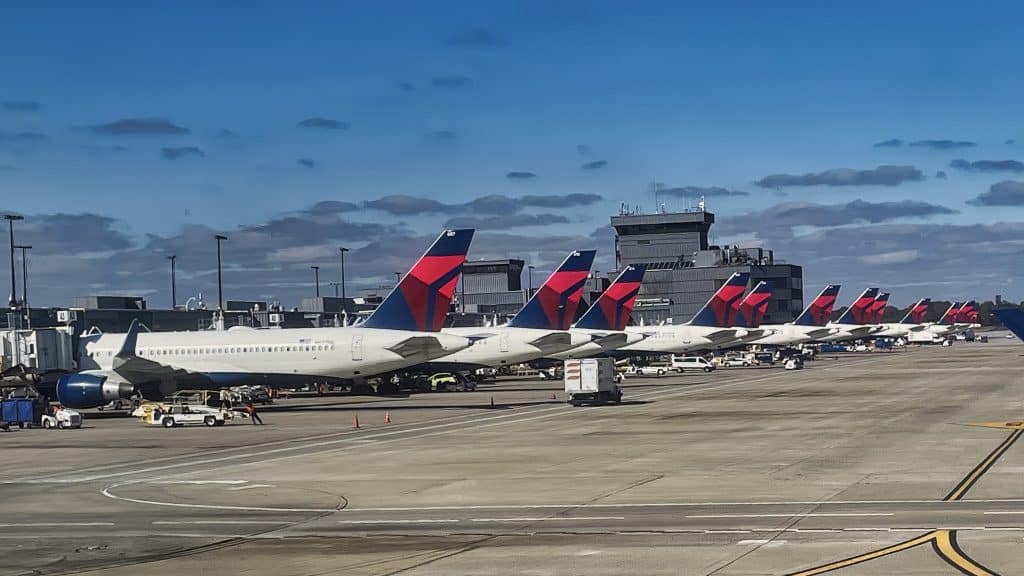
x: 92, y: 389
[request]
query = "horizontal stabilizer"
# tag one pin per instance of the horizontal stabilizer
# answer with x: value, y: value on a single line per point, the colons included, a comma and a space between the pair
x: 553, y: 342
x: 418, y: 346
x: 611, y: 341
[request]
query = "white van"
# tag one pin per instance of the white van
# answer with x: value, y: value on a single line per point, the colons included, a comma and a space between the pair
x: 683, y: 363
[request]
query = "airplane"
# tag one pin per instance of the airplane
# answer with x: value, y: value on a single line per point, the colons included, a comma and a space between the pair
x: 606, y: 319
x: 809, y: 325
x: 539, y: 330
x: 1013, y: 319
x: 707, y: 329
x: 748, y: 313
x: 855, y: 322
x: 947, y: 322
x: 912, y: 322
x: 404, y: 330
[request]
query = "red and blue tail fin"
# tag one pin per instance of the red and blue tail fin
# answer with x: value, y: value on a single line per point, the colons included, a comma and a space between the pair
x: 917, y: 312
x: 554, y: 305
x: 1013, y: 319
x: 876, y: 310
x: 716, y: 311
x: 421, y: 299
x: 753, y: 307
x: 968, y: 313
x: 857, y: 313
x: 949, y: 317
x: 612, y: 309
x: 819, y: 311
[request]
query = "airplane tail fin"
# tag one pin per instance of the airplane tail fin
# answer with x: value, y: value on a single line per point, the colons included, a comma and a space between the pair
x: 554, y: 305
x: 819, y: 311
x: 716, y: 311
x: 1013, y: 319
x: 421, y: 299
x: 951, y: 313
x: 968, y: 313
x: 876, y: 310
x: 753, y: 307
x: 613, y: 308
x: 917, y: 312
x: 857, y: 312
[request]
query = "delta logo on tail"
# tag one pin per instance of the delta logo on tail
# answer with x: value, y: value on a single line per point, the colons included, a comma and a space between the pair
x: 819, y: 312
x: 857, y: 312
x: 752, y: 309
x: 968, y: 313
x: 876, y: 310
x: 716, y: 311
x: 613, y: 308
x: 421, y: 299
x: 554, y: 305
x: 949, y: 317
x: 918, y: 312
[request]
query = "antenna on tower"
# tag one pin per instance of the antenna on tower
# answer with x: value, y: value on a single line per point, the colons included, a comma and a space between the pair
x: 701, y: 205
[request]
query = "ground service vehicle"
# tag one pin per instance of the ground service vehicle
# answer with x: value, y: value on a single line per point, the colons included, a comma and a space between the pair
x: 442, y: 381
x: 648, y: 370
x: 591, y: 381
x: 62, y: 418
x: 683, y: 363
x: 184, y: 415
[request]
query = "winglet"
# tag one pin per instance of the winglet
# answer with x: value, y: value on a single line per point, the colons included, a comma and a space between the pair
x: 613, y: 308
x: 857, y: 312
x: 554, y: 305
x: 716, y: 311
x: 420, y: 300
x: 819, y: 311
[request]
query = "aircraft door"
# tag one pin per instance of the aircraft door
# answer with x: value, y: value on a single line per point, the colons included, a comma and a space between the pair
x: 503, y: 342
x: 357, y: 347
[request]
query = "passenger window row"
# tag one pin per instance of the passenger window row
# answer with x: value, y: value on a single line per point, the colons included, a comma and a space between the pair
x: 223, y: 350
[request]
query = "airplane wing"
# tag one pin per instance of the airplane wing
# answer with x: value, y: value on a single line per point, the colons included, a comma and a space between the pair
x: 417, y: 346
x: 819, y: 333
x: 552, y: 342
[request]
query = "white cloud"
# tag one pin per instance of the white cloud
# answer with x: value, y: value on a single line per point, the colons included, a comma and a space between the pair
x: 887, y: 258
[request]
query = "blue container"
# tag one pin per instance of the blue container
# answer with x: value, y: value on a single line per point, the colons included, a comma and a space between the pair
x: 9, y: 411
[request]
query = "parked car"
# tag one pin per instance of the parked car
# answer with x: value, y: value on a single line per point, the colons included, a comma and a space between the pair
x: 738, y: 361
x: 648, y: 370
x: 442, y: 381
x: 683, y: 363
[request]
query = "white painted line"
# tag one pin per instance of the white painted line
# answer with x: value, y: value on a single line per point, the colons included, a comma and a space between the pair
x: 106, y: 492
x: 1002, y: 512
x: 250, y: 487
x: 216, y: 522
x: 795, y: 515
x: 549, y: 519
x: 54, y: 524
x: 674, y: 505
x: 403, y: 521
x: 749, y: 542
x: 728, y: 531
x: 198, y: 482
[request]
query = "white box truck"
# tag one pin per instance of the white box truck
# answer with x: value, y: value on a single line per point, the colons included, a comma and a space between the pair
x: 591, y: 381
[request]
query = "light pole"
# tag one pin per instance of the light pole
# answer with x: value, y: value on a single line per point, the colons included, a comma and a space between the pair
x: 529, y: 292
x: 220, y: 285
x: 174, y: 287
x: 24, y: 284
x: 316, y: 276
x: 335, y: 284
x: 398, y: 278
x: 343, y: 250
x: 14, y: 288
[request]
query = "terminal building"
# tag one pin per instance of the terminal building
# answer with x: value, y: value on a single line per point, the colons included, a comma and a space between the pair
x: 684, y: 270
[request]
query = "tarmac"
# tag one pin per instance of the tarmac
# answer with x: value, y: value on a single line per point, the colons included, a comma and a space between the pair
x: 903, y: 462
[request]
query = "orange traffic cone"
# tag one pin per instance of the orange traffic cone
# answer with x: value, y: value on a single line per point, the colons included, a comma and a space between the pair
x: 387, y: 417
x: 355, y: 421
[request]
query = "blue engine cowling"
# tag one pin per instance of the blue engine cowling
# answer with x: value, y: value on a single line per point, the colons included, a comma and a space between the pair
x: 84, y: 390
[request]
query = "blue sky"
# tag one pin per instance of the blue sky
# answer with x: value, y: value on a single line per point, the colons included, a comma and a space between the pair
x: 443, y: 101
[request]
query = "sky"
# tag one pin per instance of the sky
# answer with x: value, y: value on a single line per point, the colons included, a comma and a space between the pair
x: 873, y: 143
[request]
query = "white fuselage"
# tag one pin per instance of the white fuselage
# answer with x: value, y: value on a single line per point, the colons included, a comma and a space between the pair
x: 840, y: 332
x: 508, y: 345
x: 678, y: 338
x: 791, y: 334
x: 897, y: 329
x: 345, y: 352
